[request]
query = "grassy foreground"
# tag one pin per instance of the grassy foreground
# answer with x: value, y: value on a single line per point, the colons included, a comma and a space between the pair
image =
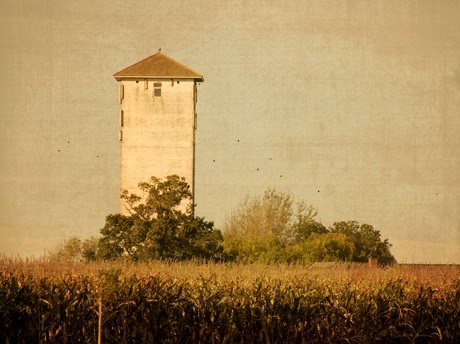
x: 161, y: 302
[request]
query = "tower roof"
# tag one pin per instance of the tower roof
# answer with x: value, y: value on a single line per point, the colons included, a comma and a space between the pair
x: 158, y: 66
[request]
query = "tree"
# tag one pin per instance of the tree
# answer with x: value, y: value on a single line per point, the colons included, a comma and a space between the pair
x: 90, y: 249
x: 365, y: 238
x: 262, y: 228
x: 68, y: 250
x: 121, y: 235
x: 277, y: 227
x: 307, y: 229
x: 164, y: 198
x: 327, y: 247
x: 161, y: 227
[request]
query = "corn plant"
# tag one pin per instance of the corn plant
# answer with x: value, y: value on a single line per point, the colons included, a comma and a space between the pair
x: 172, y: 302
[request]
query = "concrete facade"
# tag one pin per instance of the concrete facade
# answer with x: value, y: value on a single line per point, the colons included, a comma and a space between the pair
x: 157, y: 129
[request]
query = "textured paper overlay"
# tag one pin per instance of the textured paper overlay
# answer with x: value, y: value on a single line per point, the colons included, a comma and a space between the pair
x: 351, y: 105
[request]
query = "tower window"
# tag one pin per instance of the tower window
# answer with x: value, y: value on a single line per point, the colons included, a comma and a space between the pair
x: 157, y: 89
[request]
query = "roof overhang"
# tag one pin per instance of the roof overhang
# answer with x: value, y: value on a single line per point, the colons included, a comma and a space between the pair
x: 158, y: 66
x: 120, y: 77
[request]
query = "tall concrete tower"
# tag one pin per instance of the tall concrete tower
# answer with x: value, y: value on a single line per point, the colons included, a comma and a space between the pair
x: 158, y: 121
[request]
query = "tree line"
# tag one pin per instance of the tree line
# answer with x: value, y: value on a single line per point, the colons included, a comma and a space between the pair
x: 272, y: 228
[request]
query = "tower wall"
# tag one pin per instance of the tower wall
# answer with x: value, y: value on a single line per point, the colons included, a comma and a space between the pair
x: 157, y: 133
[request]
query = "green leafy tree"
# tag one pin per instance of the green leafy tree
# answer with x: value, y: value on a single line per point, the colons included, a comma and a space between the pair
x: 365, y: 238
x: 163, y: 226
x: 75, y: 249
x: 68, y: 250
x: 263, y: 228
x: 276, y: 227
x: 328, y: 247
x: 121, y: 235
x: 165, y: 198
x: 307, y: 229
x: 90, y: 249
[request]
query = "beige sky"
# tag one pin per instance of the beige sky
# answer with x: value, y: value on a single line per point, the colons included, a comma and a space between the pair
x: 350, y: 105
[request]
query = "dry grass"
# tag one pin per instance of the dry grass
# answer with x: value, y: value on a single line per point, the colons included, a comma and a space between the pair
x: 191, y: 271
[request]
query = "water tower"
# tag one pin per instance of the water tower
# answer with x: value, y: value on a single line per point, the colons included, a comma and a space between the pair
x: 158, y: 117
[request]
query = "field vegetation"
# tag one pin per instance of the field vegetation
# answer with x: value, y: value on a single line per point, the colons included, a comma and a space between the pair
x: 274, y: 274
x: 272, y: 228
x: 205, y: 302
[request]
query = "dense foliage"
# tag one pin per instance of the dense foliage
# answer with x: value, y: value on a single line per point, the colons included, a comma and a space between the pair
x: 162, y: 226
x: 348, y: 304
x: 278, y: 228
x: 273, y: 228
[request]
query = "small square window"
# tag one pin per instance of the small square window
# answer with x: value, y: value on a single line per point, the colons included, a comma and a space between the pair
x: 156, y: 89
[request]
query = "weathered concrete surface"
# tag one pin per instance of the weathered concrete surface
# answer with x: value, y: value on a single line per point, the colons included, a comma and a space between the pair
x: 157, y: 133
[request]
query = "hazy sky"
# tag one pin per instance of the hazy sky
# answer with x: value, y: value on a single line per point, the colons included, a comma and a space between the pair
x: 353, y: 106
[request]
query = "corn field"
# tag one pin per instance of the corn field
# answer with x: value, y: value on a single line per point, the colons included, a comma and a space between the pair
x: 177, y: 302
